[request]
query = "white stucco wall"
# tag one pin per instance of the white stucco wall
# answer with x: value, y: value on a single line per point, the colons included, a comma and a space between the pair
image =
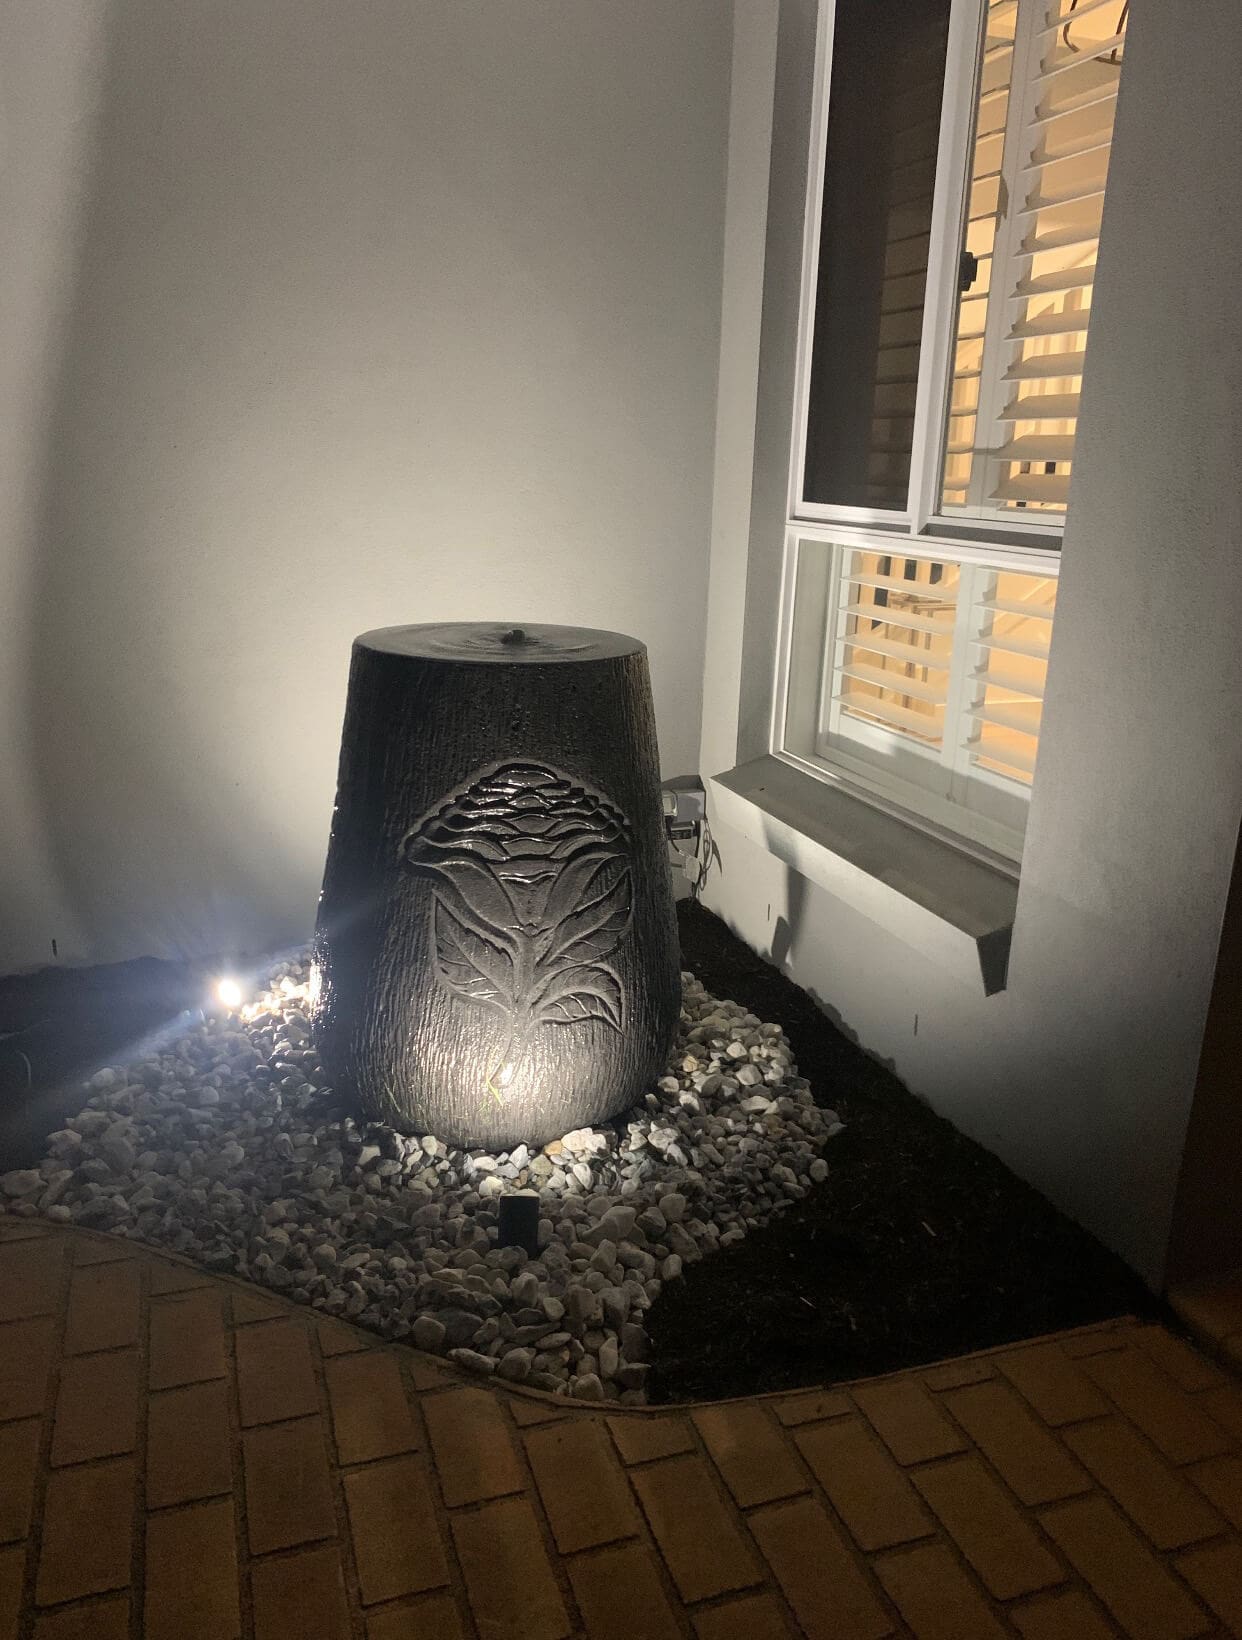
x: 387, y: 312
x: 51, y: 60
x: 1081, y: 1073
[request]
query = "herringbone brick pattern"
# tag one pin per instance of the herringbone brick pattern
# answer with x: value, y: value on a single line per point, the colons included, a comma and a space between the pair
x: 183, y: 1457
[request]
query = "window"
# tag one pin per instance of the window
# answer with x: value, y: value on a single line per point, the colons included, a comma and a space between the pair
x: 928, y: 679
x: 1044, y: 125
x: 961, y: 154
x: 888, y: 68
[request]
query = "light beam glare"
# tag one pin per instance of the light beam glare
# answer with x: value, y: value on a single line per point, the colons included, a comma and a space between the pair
x: 229, y: 992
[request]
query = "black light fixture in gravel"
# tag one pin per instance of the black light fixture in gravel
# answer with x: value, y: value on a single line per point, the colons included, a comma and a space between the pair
x: 496, y: 943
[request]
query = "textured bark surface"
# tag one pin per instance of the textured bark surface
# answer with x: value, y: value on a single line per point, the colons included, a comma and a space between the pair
x: 496, y: 935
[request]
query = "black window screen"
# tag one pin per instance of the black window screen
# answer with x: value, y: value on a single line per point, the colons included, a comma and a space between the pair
x: 888, y: 59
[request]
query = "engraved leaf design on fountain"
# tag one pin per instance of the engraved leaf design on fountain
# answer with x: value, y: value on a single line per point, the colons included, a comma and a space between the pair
x: 533, y: 892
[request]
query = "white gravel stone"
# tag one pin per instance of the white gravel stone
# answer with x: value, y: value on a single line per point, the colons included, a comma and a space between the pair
x: 223, y: 1146
x: 515, y: 1364
x: 473, y: 1361
x: 609, y: 1358
x: 23, y: 1182
x: 427, y: 1333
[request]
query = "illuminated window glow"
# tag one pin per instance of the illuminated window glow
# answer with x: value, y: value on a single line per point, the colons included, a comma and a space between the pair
x: 1043, y: 135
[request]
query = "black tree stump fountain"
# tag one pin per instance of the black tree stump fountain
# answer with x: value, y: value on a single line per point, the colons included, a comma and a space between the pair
x: 496, y: 940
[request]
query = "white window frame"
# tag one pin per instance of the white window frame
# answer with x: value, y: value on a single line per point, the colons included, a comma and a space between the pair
x: 810, y: 581
x: 922, y: 515
x: 921, y: 529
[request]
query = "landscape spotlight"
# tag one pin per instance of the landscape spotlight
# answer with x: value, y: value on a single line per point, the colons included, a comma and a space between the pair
x: 229, y: 992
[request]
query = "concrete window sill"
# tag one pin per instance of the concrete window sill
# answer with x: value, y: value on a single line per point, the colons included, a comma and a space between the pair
x: 955, y: 909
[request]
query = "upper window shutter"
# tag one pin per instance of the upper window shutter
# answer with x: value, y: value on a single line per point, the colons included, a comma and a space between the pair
x: 1034, y: 224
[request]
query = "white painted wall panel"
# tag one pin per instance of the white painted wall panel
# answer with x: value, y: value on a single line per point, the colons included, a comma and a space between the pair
x: 383, y: 312
x: 1081, y: 1074
x: 51, y: 65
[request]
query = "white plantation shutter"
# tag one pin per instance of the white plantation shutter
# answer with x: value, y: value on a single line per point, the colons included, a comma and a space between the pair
x: 1009, y: 671
x: 947, y: 659
x: 1033, y: 219
x: 896, y: 619
x: 986, y: 192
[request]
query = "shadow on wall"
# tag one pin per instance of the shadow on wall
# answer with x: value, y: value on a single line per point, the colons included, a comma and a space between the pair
x: 782, y: 951
x: 789, y: 924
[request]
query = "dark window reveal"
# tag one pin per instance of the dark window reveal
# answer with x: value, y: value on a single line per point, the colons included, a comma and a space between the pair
x: 888, y: 60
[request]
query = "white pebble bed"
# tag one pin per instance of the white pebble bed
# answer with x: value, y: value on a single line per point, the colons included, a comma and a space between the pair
x: 225, y: 1146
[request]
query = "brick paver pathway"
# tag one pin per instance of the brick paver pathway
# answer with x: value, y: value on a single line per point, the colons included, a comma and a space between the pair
x: 185, y: 1458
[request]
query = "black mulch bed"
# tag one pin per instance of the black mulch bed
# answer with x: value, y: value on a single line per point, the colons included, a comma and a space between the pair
x: 920, y: 1244
x: 59, y: 1025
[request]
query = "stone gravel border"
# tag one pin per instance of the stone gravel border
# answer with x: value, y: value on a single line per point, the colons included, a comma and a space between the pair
x: 226, y: 1145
